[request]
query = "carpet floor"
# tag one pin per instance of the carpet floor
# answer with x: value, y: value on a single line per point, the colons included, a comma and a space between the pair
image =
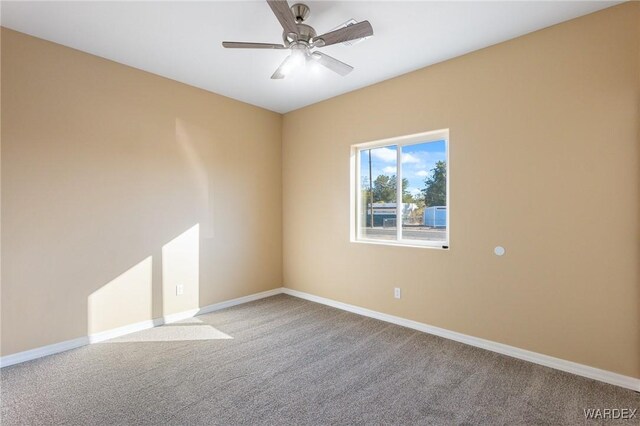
x: 284, y: 360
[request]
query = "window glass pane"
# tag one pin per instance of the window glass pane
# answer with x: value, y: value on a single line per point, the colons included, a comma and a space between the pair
x: 424, y: 191
x: 377, y: 219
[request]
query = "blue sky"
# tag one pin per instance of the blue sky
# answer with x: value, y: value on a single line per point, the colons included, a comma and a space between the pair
x: 417, y: 162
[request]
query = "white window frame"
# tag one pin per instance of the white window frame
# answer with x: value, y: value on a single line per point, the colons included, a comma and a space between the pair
x: 356, y: 193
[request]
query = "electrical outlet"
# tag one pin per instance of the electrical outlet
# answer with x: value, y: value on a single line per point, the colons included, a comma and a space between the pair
x: 396, y: 293
x: 179, y: 290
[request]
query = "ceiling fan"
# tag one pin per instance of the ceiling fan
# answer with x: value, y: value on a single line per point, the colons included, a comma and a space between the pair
x: 301, y: 39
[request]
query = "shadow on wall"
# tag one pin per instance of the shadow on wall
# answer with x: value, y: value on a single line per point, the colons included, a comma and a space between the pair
x: 137, y: 295
x: 129, y: 298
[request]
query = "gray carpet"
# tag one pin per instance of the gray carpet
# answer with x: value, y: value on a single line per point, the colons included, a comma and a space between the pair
x: 284, y: 360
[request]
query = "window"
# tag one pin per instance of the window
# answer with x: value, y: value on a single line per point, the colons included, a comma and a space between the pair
x: 414, y: 213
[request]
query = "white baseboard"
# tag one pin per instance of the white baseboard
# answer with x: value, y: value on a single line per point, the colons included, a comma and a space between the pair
x: 179, y: 316
x: 55, y: 348
x: 240, y: 300
x: 121, y: 331
x: 537, y: 358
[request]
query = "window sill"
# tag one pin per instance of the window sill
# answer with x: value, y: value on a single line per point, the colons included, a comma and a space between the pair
x: 438, y: 246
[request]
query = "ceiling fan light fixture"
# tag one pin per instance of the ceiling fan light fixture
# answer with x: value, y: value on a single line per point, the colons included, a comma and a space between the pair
x: 286, y: 68
x: 296, y: 60
x: 301, y: 38
x: 289, y: 66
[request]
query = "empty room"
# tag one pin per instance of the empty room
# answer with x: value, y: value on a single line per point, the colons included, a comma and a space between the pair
x: 323, y: 212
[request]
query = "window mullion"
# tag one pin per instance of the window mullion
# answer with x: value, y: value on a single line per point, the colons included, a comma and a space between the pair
x: 399, y: 193
x: 358, y: 195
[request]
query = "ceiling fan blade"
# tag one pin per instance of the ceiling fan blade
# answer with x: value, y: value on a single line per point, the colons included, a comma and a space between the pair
x: 285, y: 16
x: 283, y: 69
x: 244, y: 45
x: 332, y: 63
x: 352, y: 32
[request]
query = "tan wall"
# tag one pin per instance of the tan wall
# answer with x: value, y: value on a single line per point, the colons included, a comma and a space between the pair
x: 118, y: 185
x: 545, y: 160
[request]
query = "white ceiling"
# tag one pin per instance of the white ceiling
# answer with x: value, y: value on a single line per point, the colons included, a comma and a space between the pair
x: 182, y: 40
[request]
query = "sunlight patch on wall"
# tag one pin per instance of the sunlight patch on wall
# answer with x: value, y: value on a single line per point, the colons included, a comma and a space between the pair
x: 124, y: 300
x: 181, y: 272
x: 189, y: 329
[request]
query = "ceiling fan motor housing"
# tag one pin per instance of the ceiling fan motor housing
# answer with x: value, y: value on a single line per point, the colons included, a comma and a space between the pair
x: 305, y: 34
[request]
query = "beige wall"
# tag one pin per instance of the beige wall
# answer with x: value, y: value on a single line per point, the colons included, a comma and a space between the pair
x: 545, y: 160
x: 118, y: 185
